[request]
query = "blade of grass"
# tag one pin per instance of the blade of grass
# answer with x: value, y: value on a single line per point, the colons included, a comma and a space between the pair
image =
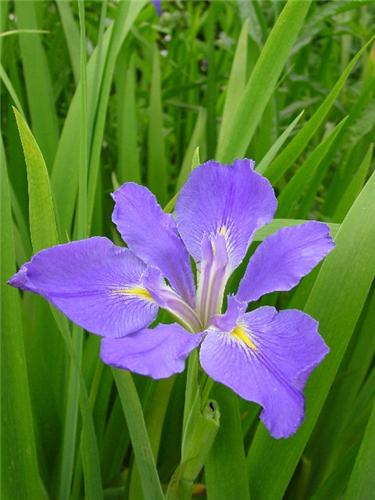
x: 19, y: 467
x: 71, y: 33
x: 38, y: 83
x: 194, y: 143
x: 295, y: 188
x: 336, y: 306
x: 362, y: 480
x: 277, y: 145
x: 155, y: 412
x: 325, y: 444
x: 8, y: 85
x: 42, y: 224
x: 128, y: 163
x: 355, y: 186
x: 236, y: 82
x: 287, y: 157
x: 64, y: 177
x: 138, y: 434
x: 211, y: 92
x: 267, y: 69
x: 225, y: 469
x: 169, y: 207
x: 156, y: 165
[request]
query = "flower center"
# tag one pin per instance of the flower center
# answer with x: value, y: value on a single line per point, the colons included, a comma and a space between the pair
x: 213, y: 276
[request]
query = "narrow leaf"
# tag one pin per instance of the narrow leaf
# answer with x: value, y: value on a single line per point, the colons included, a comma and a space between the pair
x: 267, y: 69
x: 349, y: 267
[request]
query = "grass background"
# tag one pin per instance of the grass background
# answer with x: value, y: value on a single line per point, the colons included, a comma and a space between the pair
x: 108, y: 92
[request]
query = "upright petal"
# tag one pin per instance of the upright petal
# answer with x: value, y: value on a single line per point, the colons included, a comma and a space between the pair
x: 152, y: 235
x: 233, y: 201
x: 267, y: 359
x: 283, y: 258
x: 95, y: 283
x: 158, y: 353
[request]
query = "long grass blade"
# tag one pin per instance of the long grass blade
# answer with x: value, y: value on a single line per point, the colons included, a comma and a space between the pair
x: 350, y: 267
x: 19, y: 465
x: 286, y: 158
x: 225, y: 469
x: 267, y: 69
x: 138, y: 434
x: 38, y: 83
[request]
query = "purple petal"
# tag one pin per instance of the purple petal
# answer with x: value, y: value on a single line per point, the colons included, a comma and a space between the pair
x: 228, y: 320
x: 271, y: 368
x: 283, y: 258
x: 158, y: 353
x: 233, y: 201
x: 152, y: 235
x: 157, y: 4
x: 91, y: 281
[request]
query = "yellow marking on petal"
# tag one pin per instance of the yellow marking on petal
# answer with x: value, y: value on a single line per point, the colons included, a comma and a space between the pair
x: 223, y: 230
x: 240, y: 333
x: 140, y: 292
x: 213, y: 248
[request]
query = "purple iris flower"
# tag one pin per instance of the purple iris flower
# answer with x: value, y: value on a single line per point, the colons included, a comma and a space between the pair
x: 264, y: 355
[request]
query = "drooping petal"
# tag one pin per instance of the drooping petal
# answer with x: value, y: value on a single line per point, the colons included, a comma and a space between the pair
x: 152, y: 235
x: 233, y: 201
x: 158, y: 353
x: 267, y: 359
x: 283, y: 258
x: 95, y: 283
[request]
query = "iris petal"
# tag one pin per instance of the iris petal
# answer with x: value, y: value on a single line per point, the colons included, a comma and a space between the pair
x: 152, y: 235
x: 158, y: 353
x: 283, y: 258
x: 95, y: 283
x: 232, y: 201
x: 271, y: 367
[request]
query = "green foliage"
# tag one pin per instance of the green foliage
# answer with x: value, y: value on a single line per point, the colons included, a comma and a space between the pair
x: 108, y: 92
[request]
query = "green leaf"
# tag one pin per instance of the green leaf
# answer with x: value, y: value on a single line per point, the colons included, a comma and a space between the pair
x: 41, y: 210
x: 8, y: 85
x: 196, y: 139
x: 272, y: 152
x: 236, y: 82
x: 138, y: 435
x: 295, y: 188
x: 288, y: 156
x: 128, y: 163
x: 354, y: 188
x: 225, y: 469
x: 336, y: 301
x: 19, y: 466
x: 263, y: 80
x: 156, y: 165
x: 71, y: 33
x: 38, y: 82
x: 362, y: 480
